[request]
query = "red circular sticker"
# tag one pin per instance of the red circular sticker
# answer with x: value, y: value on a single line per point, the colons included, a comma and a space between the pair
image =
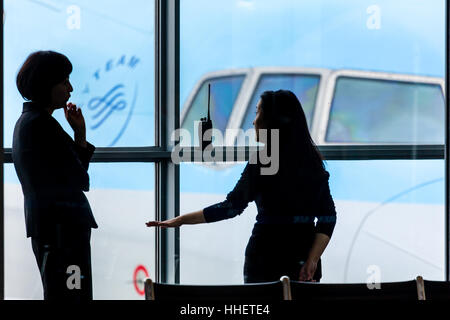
x: 139, y: 276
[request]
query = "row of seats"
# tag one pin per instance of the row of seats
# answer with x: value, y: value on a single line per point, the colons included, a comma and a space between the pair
x: 285, y: 289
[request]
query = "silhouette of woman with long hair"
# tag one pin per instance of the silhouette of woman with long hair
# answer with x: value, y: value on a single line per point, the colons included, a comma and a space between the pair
x: 296, y: 213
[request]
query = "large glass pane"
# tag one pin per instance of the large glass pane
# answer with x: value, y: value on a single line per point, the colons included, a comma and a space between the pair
x: 111, y: 46
x: 293, y: 36
x: 122, y: 248
x: 390, y: 213
x: 377, y: 111
x: 212, y: 253
x: 390, y: 223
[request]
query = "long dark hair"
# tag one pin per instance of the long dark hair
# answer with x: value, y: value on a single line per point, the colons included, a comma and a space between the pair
x: 282, y: 110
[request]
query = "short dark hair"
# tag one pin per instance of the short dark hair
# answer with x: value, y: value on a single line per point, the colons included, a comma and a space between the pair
x: 40, y: 72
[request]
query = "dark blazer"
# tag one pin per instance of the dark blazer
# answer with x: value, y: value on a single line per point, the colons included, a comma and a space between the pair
x: 52, y: 170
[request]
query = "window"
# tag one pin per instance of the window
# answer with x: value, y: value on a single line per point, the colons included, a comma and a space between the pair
x: 385, y: 208
x: 111, y: 47
x: 224, y: 91
x: 122, y: 248
x: 390, y: 221
x: 212, y: 253
x: 382, y: 111
x: 391, y: 213
x: 305, y: 88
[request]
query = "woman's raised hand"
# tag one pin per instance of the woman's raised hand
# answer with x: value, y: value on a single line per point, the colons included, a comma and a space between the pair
x: 76, y: 120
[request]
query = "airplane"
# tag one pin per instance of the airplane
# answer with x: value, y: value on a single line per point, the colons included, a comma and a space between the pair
x: 390, y: 223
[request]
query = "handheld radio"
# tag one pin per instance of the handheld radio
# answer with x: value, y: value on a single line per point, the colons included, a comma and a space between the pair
x: 204, y: 125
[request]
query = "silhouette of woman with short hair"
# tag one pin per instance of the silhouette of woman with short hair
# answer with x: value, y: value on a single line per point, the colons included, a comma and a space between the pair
x: 52, y: 169
x: 286, y: 239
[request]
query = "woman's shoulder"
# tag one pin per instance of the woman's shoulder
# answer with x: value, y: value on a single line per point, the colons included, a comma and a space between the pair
x: 38, y: 126
x: 32, y: 121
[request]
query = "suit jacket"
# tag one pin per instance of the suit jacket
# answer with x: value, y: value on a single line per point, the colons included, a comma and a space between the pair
x: 52, y: 170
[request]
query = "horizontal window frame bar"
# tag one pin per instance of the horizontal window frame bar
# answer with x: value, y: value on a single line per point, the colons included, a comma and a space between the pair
x: 335, y: 152
x: 341, y: 152
x: 131, y: 154
x: 121, y: 154
x: 383, y: 152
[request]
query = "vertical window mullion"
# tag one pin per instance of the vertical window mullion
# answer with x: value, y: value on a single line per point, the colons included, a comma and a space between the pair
x: 447, y: 153
x: 2, y: 233
x: 168, y: 113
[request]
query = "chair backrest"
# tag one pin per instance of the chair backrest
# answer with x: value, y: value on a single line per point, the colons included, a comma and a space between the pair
x: 437, y: 290
x: 295, y: 290
x: 406, y: 290
x: 420, y: 288
x: 266, y: 291
x: 286, y: 288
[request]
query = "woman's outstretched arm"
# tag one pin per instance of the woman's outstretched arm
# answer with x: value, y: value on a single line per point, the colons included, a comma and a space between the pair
x: 188, y: 218
x: 235, y: 203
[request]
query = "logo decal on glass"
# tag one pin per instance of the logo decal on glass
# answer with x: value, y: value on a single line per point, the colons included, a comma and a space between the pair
x: 110, y: 98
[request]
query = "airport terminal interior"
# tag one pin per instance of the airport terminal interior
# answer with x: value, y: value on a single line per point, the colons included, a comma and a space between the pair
x: 151, y: 76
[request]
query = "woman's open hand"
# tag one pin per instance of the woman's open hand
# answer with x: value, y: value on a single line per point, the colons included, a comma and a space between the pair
x: 172, y: 223
x: 189, y: 218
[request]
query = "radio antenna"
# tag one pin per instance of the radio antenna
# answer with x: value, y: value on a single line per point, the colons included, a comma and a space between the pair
x: 209, y: 96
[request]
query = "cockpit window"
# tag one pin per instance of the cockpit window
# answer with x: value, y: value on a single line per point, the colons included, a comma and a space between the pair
x: 385, y: 111
x: 305, y: 88
x: 224, y: 91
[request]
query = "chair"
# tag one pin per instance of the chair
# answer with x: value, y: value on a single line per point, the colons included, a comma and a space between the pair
x: 406, y: 290
x: 437, y: 290
x: 266, y: 291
